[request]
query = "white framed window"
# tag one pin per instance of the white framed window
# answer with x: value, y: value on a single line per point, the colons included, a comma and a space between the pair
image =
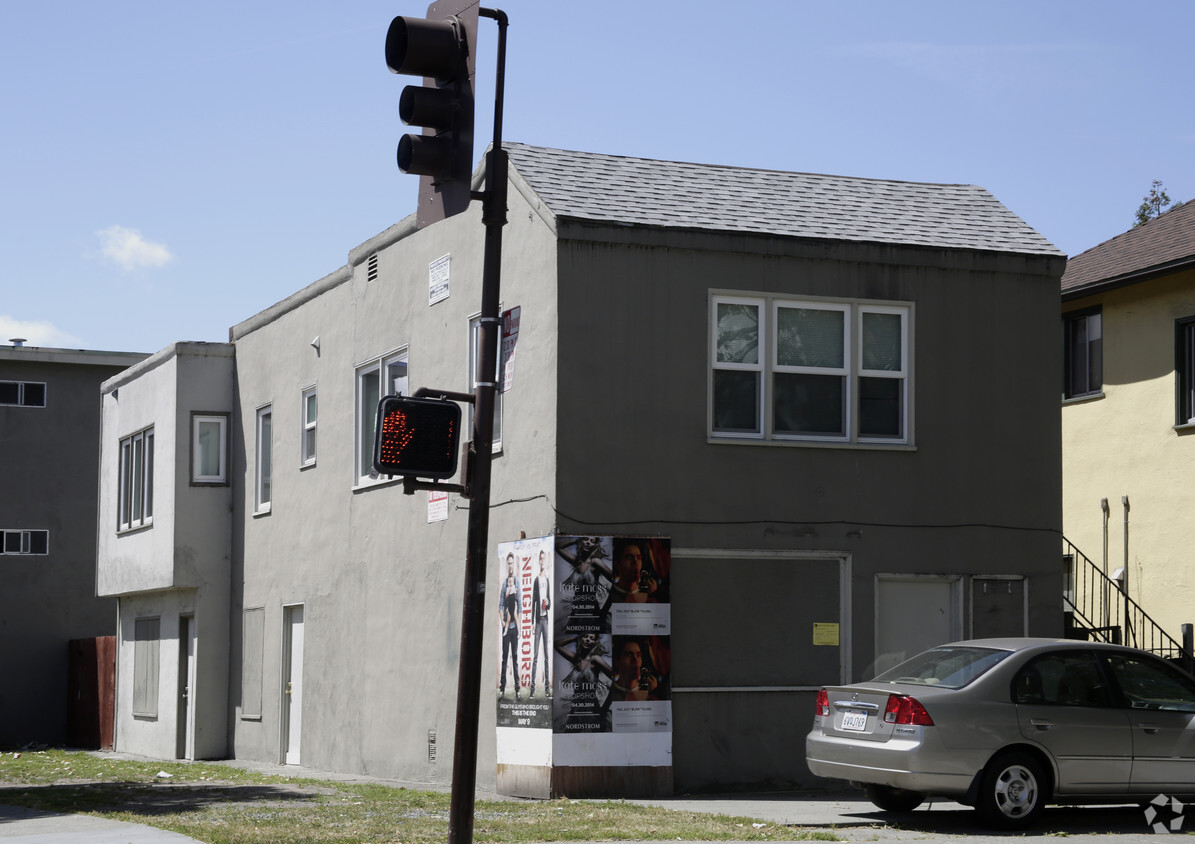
x: 309, y: 413
x: 380, y: 377
x: 263, y: 464
x: 794, y: 370
x: 22, y: 542
x: 474, y: 355
x: 136, y: 480
x: 23, y: 393
x: 209, y: 448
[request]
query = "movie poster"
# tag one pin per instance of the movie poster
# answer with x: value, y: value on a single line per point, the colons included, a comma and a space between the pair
x: 613, y: 636
x: 525, y: 595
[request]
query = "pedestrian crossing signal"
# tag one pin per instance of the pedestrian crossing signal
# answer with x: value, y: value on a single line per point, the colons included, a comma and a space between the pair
x: 417, y: 437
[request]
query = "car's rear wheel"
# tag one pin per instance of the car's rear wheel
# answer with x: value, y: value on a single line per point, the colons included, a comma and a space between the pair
x: 1013, y: 791
x: 893, y: 799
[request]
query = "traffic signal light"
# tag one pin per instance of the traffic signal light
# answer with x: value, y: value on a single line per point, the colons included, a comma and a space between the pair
x: 441, y: 49
x: 417, y: 437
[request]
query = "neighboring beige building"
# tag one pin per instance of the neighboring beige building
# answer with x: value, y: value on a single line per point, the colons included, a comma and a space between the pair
x: 1128, y: 315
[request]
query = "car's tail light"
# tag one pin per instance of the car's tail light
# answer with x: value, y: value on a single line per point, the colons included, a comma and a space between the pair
x: 902, y: 709
x: 823, y: 703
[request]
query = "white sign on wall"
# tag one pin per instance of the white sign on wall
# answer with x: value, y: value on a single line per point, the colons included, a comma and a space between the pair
x: 437, y: 506
x: 510, y: 339
x: 437, y: 280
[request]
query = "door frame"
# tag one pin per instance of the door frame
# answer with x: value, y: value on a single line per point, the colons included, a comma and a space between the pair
x: 286, y: 678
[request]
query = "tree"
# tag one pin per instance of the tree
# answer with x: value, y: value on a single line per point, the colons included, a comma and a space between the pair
x: 1154, y: 204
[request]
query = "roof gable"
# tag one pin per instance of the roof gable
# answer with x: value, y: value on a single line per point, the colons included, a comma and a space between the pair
x: 1162, y: 243
x: 646, y: 192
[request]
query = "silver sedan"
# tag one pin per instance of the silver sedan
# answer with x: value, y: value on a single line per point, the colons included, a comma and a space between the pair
x: 1009, y: 725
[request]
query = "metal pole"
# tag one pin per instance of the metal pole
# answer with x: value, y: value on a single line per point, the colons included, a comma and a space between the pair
x: 468, y: 704
x: 1124, y: 580
x: 1104, y: 585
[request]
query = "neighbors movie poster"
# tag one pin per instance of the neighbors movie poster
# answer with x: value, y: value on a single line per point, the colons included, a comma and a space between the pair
x: 584, y: 626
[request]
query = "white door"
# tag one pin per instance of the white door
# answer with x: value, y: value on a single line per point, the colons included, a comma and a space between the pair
x: 185, y: 745
x: 292, y: 684
x: 914, y: 613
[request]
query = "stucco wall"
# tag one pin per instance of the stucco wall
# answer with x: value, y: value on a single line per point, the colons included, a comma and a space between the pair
x: 1126, y: 443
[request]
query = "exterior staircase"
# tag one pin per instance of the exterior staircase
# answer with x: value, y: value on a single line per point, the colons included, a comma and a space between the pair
x: 1097, y: 609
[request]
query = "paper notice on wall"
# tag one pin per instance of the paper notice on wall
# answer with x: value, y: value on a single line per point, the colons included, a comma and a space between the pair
x: 510, y: 339
x: 437, y: 279
x: 825, y: 633
x: 437, y: 506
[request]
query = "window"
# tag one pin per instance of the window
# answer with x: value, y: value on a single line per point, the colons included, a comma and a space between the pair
x: 146, y: 633
x: 307, y: 438
x: 385, y: 376
x: 474, y: 353
x: 1150, y: 683
x: 1066, y: 678
x: 1083, y: 354
x: 263, y: 483
x: 136, y: 480
x: 209, y: 448
x: 788, y: 370
x: 24, y: 542
x: 1184, y: 371
x: 23, y: 393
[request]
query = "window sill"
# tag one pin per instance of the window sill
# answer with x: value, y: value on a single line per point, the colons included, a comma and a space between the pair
x: 1083, y: 399
x: 262, y: 511
x: 127, y: 531
x: 835, y: 444
x: 364, y: 484
x: 1185, y: 429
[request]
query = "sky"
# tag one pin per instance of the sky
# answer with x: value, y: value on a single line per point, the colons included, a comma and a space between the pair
x: 168, y: 170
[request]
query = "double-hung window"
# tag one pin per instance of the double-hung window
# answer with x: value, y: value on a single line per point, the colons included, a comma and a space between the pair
x: 136, y: 480
x: 263, y: 473
x: 1083, y: 354
x: 209, y: 448
x: 790, y: 370
x: 308, y: 409
x: 1184, y: 371
x: 384, y: 376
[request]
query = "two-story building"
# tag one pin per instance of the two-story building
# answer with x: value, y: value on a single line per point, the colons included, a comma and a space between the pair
x: 834, y: 395
x: 1128, y: 318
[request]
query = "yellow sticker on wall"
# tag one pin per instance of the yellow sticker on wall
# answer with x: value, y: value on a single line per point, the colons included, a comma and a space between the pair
x: 825, y: 633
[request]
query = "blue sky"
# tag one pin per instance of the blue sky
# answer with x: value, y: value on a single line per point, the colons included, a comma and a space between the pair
x: 168, y: 170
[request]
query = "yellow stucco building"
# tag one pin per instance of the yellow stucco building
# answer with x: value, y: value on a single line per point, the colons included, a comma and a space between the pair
x: 1128, y: 426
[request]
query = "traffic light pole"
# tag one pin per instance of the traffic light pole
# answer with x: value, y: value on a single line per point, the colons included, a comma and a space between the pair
x: 468, y: 704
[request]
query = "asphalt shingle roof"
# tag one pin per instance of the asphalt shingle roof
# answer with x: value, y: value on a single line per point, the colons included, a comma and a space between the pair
x: 1162, y: 242
x: 639, y: 191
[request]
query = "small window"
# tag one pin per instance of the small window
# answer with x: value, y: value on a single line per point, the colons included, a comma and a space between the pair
x: 23, y: 393
x: 309, y: 411
x: 1083, y: 342
x: 136, y: 480
x: 209, y: 448
x: 1184, y: 371
x: 384, y: 376
x: 25, y: 542
x: 146, y: 635
x: 263, y: 472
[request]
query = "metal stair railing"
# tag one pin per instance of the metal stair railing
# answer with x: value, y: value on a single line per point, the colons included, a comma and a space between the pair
x: 1104, y: 613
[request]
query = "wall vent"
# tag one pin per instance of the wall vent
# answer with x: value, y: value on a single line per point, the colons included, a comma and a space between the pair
x: 372, y: 268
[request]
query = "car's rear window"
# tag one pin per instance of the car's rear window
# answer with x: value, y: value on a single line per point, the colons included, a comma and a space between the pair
x: 950, y: 668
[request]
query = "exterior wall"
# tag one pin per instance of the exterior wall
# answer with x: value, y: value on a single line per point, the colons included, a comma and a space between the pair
x: 48, y: 455
x: 1126, y: 443
x: 976, y: 495
x: 179, y: 565
x: 381, y: 588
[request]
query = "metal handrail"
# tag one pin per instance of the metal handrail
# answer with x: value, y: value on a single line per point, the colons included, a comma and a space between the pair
x: 1107, y: 614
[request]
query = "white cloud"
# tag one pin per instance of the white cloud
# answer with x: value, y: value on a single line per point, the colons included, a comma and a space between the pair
x: 130, y: 250
x: 36, y: 333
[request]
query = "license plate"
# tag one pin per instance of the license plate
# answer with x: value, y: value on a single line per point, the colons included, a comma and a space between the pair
x: 854, y: 720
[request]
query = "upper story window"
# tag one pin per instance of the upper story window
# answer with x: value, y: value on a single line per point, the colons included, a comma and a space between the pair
x: 1184, y: 371
x: 136, y: 480
x: 384, y: 376
x: 24, y: 542
x: 23, y: 393
x: 209, y: 448
x: 263, y: 474
x: 308, y: 409
x: 1083, y: 353
x: 474, y: 354
x: 788, y: 370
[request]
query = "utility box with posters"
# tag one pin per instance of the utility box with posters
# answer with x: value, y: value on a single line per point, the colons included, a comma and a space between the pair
x: 584, y: 682
x: 417, y: 437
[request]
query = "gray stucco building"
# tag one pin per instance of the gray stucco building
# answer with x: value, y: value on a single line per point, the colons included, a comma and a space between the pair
x: 49, y: 436
x: 836, y: 396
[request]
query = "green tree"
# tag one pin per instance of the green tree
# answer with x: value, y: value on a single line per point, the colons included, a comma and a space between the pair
x: 1154, y: 204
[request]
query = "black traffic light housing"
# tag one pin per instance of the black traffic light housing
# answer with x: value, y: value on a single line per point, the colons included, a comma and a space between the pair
x: 417, y: 437
x: 440, y: 48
